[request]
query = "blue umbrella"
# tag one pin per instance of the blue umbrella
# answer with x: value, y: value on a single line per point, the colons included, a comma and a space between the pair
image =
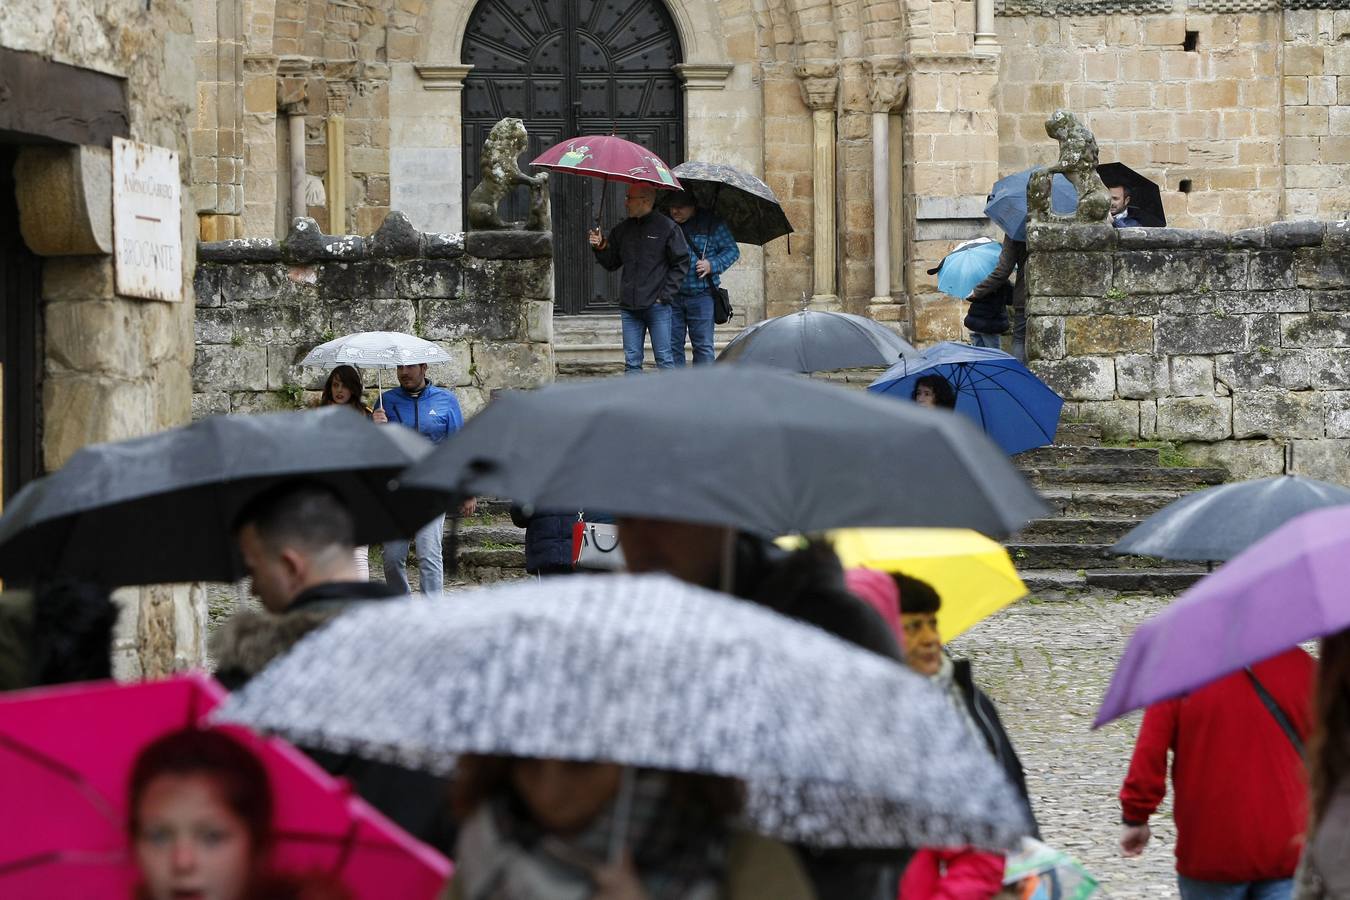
x: 1015, y: 408
x: 966, y: 266
x: 1007, y: 206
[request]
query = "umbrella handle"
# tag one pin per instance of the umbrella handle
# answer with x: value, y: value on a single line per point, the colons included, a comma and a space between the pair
x: 623, y: 812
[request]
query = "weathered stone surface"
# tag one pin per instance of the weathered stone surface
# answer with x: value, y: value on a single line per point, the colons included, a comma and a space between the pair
x: 1263, y: 331
x: 247, y: 283
x: 237, y: 250
x: 1258, y: 370
x: 1266, y: 301
x: 1143, y: 305
x: 456, y: 319
x: 95, y: 336
x: 1092, y: 335
x: 1171, y: 239
x: 77, y: 412
x: 1337, y: 412
x: 509, y: 244
x: 1249, y: 239
x: 1244, y: 460
x: 1330, y: 368
x: 211, y: 403
x: 457, y: 372
x: 305, y: 243
x: 1330, y: 301
x: 1271, y: 270
x: 437, y: 245
x: 1296, y: 234
x: 214, y: 325
x: 1141, y: 376
x: 1323, y: 268
x: 1119, y: 419
x: 1225, y: 271
x: 1191, y: 335
x: 1328, y: 459
x: 1050, y: 236
x: 471, y: 401
x: 250, y: 402
x: 1195, y: 418
x: 1080, y: 378
x: 492, y: 280
x: 539, y: 321
x: 1190, y: 376
x: 513, y: 365
x: 268, y: 323
x: 1277, y: 414
x: 1045, y: 337
x: 374, y: 315
x: 1319, y: 329
x: 1069, y: 274
x: 1159, y: 271
x: 1338, y: 235
x: 427, y: 278
x: 1148, y: 419
x: 206, y: 286
x: 229, y: 368
x: 360, y: 280
x: 396, y: 238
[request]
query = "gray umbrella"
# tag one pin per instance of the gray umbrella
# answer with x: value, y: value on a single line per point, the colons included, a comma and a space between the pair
x: 159, y: 508
x: 812, y: 341
x: 1220, y: 522
x: 838, y: 746
x: 738, y: 446
x: 748, y: 206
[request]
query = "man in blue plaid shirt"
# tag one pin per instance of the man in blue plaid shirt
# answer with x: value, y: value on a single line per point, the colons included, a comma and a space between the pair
x: 712, y: 250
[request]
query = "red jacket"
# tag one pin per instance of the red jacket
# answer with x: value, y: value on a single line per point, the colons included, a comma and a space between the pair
x: 952, y: 875
x: 1241, y: 794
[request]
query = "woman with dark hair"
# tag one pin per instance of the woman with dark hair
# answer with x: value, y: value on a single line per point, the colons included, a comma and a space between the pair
x: 545, y: 829
x: 934, y: 390
x: 199, y: 815
x: 344, y: 388
x: 1324, y: 871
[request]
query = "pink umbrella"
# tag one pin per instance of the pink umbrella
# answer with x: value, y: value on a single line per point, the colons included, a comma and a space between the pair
x: 66, y: 754
x: 608, y: 157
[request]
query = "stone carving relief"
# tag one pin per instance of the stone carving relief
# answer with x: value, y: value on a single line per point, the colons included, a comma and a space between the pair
x: 1078, y: 156
x: 501, y: 173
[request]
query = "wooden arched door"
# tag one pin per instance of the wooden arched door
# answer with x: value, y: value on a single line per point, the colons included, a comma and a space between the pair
x: 572, y: 67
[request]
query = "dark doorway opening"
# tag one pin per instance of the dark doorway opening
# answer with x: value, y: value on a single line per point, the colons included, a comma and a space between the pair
x: 568, y: 68
x: 20, y: 345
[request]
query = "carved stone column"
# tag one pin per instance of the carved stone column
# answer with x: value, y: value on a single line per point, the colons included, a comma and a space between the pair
x: 293, y: 100
x: 820, y: 86
x: 887, y: 95
x: 337, y: 157
x: 984, y: 24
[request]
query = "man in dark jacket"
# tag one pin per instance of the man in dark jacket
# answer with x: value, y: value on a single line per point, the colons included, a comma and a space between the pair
x: 297, y: 543
x: 655, y: 258
x: 1012, y: 258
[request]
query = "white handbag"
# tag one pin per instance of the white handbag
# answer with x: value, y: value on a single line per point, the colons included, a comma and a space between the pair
x: 595, y: 546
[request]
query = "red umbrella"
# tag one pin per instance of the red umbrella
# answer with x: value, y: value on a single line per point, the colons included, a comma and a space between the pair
x: 608, y: 157
x: 66, y: 754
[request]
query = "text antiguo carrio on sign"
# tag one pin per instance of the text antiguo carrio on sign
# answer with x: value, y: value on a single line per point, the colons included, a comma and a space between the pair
x: 147, y: 230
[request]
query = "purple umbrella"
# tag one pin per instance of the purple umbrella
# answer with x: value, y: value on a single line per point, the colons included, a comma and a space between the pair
x: 1289, y: 587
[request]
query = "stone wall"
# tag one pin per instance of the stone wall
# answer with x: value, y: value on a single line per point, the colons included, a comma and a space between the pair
x: 1236, y: 346
x: 486, y: 297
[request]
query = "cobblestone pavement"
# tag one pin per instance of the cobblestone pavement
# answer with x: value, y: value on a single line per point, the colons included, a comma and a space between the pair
x: 1046, y: 665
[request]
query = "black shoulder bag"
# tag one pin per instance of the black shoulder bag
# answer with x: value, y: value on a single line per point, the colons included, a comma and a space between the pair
x: 722, y: 311
x: 1285, y: 725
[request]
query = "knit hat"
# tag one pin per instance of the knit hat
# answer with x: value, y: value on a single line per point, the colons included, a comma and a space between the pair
x: 878, y: 591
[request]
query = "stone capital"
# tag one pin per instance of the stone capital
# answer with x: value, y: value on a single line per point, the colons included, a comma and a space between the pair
x: 888, y: 89
x: 293, y: 95
x: 819, y: 82
x: 704, y: 76
x: 442, y: 76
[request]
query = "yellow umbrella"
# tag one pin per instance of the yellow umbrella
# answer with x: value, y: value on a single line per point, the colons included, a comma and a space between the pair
x: 972, y: 574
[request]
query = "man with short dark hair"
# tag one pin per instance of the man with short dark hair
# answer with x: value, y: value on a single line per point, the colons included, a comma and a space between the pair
x: 1121, y: 216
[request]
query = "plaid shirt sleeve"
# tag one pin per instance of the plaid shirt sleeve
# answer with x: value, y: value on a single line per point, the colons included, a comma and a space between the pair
x: 719, y: 248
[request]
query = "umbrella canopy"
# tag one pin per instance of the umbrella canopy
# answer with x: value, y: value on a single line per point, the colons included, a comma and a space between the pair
x: 651, y: 672
x: 738, y: 446
x: 972, y: 574
x: 811, y: 341
x: 376, y: 349
x: 160, y: 508
x: 1014, y: 407
x: 1220, y: 522
x: 1044, y: 873
x: 1145, y: 195
x: 1007, y: 206
x: 609, y: 157
x: 1287, y: 588
x: 966, y: 266
x: 748, y: 206
x: 68, y: 752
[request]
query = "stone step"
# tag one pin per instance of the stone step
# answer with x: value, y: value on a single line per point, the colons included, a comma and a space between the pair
x: 496, y: 534
x: 1076, y: 530
x: 590, y: 346
x: 1058, y: 455
x: 1030, y: 557
x: 496, y: 557
x: 1108, y: 502
x: 1178, y: 478
x: 1153, y: 581
x: 1082, y: 434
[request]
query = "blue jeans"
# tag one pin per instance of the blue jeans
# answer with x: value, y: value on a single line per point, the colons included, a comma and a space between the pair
x: 429, y: 559
x: 980, y: 339
x: 637, y: 323
x: 1274, y: 889
x: 695, y: 315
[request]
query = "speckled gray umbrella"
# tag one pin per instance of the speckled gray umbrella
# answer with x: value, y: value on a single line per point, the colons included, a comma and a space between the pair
x: 814, y: 341
x: 838, y: 746
x: 1220, y: 522
x: 748, y: 206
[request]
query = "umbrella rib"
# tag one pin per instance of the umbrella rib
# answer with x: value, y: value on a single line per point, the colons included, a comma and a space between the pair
x: 81, y: 783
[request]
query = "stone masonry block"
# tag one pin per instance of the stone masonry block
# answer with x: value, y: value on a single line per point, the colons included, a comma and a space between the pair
x: 1226, y: 272
x: 1148, y: 419
x: 1141, y: 376
x: 1045, y: 337
x: 1323, y: 269
x: 95, y: 336
x: 1290, y: 414
x: 206, y: 285
x: 513, y: 365
x: 1258, y: 370
x: 374, y: 315
x: 457, y: 371
x: 1080, y: 378
x: 360, y: 280
x: 1244, y: 460
x: 424, y: 278
x: 1119, y: 418
x: 1330, y: 369
x: 1337, y: 414
x: 1092, y: 335
x: 1159, y: 271
x: 244, y: 284
x: 1327, y: 459
x: 1194, y: 418
x: 1143, y: 305
x: 229, y: 368
x: 467, y: 317
x: 1190, y: 376
x: 1330, y: 301
x: 213, y: 325
x: 292, y: 323
x: 211, y: 403
x: 539, y: 321
x: 1319, y: 329
x: 1263, y: 331
x: 1069, y: 274
x: 1190, y: 335
x: 1261, y: 301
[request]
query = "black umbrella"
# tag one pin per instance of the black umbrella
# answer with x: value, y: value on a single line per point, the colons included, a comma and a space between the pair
x: 159, y: 508
x: 737, y: 446
x: 812, y: 341
x: 748, y: 206
x: 1145, y: 197
x: 1220, y: 522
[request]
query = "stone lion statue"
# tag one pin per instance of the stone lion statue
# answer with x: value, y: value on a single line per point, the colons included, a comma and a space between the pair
x: 1078, y: 155
x: 501, y: 174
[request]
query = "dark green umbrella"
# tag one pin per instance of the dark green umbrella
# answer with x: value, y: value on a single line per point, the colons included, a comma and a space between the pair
x: 160, y: 508
x: 748, y: 206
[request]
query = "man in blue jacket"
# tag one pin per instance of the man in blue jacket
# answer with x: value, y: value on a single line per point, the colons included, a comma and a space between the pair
x: 434, y: 411
x: 712, y: 251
